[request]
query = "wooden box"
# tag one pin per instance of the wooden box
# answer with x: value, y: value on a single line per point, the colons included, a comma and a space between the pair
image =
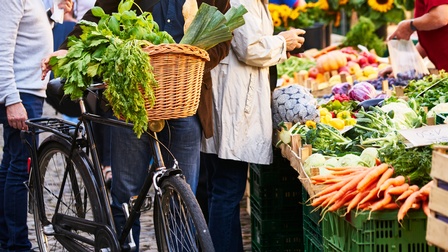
x: 437, y: 226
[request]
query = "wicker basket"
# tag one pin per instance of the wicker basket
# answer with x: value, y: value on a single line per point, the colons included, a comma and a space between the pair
x: 178, y: 68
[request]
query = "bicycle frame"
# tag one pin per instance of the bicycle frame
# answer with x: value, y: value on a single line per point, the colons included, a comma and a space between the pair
x: 81, y: 135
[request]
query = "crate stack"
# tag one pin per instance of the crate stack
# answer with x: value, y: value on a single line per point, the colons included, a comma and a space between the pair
x: 276, y: 212
x: 437, y: 227
x: 312, y: 227
x: 375, y: 232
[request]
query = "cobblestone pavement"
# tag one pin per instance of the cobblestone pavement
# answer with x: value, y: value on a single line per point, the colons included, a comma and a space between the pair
x: 147, y: 236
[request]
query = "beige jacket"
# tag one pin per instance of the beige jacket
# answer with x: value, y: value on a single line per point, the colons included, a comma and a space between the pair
x: 241, y: 94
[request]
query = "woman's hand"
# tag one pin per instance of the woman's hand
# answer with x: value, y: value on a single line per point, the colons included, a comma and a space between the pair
x: 293, y: 38
x: 45, y: 63
x: 66, y: 5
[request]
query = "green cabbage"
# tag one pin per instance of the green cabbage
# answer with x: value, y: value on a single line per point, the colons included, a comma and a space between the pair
x: 403, y: 115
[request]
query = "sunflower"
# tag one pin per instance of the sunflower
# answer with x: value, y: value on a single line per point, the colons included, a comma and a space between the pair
x: 381, y: 5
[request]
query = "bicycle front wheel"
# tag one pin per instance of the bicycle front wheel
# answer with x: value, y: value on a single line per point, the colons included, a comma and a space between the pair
x: 68, y: 189
x: 178, y: 219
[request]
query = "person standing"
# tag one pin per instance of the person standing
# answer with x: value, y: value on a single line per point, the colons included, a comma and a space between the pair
x: 26, y: 39
x: 129, y: 155
x: 242, y: 117
x: 431, y: 24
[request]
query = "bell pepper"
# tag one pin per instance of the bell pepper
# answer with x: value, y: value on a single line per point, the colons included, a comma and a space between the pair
x: 344, y: 115
x: 337, y: 123
x: 326, y: 118
x: 350, y: 121
x: 310, y: 124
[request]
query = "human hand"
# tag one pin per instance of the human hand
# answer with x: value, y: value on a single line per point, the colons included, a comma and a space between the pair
x: 45, y: 63
x: 403, y: 31
x: 17, y: 116
x: 66, y: 5
x: 385, y: 72
x: 293, y: 38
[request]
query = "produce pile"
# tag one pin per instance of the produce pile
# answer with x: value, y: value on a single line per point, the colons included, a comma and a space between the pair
x: 359, y: 158
x: 368, y: 189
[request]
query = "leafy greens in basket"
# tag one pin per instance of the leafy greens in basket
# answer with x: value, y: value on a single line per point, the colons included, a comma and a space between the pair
x: 112, y: 50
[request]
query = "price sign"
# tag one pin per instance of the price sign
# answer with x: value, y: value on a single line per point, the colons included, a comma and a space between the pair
x: 426, y: 135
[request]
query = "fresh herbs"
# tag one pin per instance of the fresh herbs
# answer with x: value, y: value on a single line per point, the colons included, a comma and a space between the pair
x: 112, y: 50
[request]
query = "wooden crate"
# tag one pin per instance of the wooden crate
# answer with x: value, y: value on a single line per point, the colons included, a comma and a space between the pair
x: 437, y: 226
x: 295, y: 157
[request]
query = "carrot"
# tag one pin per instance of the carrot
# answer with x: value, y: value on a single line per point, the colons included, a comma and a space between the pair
x: 347, y: 171
x: 326, y: 50
x: 425, y: 207
x: 426, y: 188
x: 318, y: 201
x: 381, y: 203
x: 391, y: 206
x: 386, y: 175
x: 407, y: 205
x: 399, y: 180
x: 340, y: 202
x: 404, y: 195
x: 397, y: 190
x: 372, y: 176
x: 350, y: 184
x: 355, y: 201
x: 373, y: 193
x: 330, y: 188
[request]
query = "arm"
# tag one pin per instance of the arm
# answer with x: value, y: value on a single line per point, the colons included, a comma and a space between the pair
x: 255, y: 45
x: 436, y: 18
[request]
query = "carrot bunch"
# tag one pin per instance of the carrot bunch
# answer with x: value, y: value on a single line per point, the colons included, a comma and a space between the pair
x: 367, y: 189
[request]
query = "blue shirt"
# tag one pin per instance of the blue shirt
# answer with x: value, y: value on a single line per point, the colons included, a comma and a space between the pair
x: 168, y: 15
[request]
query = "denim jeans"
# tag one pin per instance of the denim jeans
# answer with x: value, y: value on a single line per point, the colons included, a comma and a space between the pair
x: 13, y: 174
x: 225, y: 186
x: 130, y: 160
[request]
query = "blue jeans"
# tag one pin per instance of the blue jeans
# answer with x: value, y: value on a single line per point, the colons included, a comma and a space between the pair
x: 225, y: 186
x: 130, y: 160
x: 13, y: 174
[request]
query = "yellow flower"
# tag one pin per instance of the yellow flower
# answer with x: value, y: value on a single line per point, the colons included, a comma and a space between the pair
x: 343, y: 2
x: 323, y: 4
x: 381, y: 5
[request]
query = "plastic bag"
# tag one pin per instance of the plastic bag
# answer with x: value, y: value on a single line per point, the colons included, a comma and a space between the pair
x: 405, y: 60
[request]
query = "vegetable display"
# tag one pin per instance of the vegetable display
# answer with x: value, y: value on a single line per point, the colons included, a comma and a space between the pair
x: 368, y: 189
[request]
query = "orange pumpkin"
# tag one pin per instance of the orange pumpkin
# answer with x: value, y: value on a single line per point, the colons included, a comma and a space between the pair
x: 331, y: 61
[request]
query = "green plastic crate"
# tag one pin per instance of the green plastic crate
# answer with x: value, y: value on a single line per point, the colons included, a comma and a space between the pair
x: 282, y: 224
x: 282, y: 244
x: 309, y: 211
x: 312, y: 241
x: 379, y: 233
x: 272, y: 211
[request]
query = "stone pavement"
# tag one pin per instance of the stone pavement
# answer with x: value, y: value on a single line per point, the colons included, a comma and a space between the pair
x: 147, y: 236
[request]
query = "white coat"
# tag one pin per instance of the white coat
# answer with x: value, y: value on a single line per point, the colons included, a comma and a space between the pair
x: 241, y: 92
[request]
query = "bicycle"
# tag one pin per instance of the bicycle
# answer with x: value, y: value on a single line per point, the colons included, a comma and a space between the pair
x: 70, y: 203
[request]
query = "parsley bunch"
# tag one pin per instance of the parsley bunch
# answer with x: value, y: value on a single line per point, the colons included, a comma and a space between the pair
x: 112, y: 50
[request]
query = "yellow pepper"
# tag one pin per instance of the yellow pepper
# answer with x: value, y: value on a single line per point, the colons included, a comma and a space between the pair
x: 344, y: 115
x: 310, y: 124
x: 350, y: 121
x: 325, y: 119
x: 323, y: 112
x: 337, y: 123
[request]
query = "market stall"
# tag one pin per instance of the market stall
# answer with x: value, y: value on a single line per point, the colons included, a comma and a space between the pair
x: 363, y: 149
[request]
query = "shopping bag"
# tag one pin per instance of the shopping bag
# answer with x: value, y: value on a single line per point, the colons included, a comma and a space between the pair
x: 406, y: 61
